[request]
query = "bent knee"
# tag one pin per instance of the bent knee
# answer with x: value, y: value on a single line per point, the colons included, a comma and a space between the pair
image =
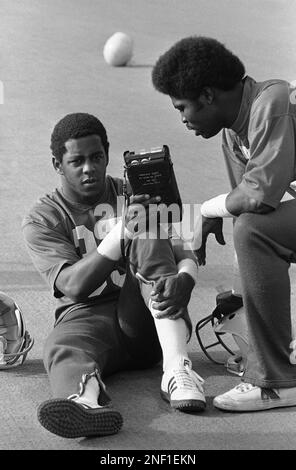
x: 247, y: 223
x: 245, y: 229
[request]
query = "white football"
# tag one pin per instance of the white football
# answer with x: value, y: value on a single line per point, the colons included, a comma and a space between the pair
x: 118, y: 49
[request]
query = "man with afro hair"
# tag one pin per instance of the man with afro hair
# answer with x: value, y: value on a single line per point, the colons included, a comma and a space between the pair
x: 113, y: 312
x: 207, y: 85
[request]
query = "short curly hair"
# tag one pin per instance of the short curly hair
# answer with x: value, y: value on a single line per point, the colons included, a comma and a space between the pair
x: 193, y: 63
x: 74, y: 126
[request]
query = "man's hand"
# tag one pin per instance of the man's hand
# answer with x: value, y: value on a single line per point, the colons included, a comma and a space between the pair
x: 138, y: 211
x: 209, y: 225
x: 171, y: 295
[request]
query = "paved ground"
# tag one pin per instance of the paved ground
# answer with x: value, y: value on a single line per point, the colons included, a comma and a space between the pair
x: 52, y: 64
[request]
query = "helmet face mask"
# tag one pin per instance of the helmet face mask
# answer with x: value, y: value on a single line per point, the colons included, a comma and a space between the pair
x: 15, y: 341
x: 227, y: 324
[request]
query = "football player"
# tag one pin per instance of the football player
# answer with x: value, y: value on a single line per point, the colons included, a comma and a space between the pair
x: 208, y: 87
x: 113, y: 312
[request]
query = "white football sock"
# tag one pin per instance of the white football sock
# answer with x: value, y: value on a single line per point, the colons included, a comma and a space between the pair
x: 90, y: 394
x: 172, y: 335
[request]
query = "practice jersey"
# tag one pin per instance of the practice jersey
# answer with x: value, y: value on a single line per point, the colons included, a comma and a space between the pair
x: 59, y: 232
x: 260, y: 147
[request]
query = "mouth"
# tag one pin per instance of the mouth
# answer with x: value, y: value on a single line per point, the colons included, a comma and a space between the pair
x: 90, y: 182
x: 196, y: 131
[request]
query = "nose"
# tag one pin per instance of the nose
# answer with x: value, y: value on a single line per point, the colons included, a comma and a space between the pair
x: 184, y: 120
x: 88, y: 167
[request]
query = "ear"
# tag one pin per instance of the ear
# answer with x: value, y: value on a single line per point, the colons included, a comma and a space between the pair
x: 107, y: 153
x: 57, y: 166
x: 209, y: 94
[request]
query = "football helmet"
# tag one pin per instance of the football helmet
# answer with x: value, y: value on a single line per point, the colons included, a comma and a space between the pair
x: 228, y: 318
x: 15, y: 341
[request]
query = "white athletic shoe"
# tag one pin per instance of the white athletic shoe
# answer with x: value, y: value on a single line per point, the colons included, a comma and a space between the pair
x: 248, y: 397
x: 183, y: 388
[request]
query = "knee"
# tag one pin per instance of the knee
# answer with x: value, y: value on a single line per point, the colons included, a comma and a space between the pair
x: 244, y: 230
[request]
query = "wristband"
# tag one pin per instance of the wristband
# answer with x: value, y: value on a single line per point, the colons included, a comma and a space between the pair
x: 110, y: 245
x: 188, y: 266
x: 215, y: 207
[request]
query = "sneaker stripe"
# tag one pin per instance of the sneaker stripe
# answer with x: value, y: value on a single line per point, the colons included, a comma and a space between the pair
x: 173, y: 388
x: 171, y: 383
x: 269, y: 394
x: 187, y: 383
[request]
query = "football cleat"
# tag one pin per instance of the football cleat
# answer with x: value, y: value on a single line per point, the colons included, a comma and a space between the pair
x: 76, y: 416
x: 67, y: 418
x: 15, y: 341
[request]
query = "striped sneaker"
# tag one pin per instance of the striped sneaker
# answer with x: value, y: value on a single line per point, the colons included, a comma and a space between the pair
x: 248, y: 397
x: 183, y: 388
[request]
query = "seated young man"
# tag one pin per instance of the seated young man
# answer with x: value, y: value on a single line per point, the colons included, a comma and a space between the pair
x: 102, y: 325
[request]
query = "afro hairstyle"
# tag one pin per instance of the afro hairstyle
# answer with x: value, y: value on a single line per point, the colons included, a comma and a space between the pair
x: 194, y: 63
x: 74, y: 126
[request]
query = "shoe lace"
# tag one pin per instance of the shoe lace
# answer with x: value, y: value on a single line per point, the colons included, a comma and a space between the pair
x: 245, y: 387
x: 72, y: 397
x: 103, y: 397
x: 82, y: 401
x: 189, y: 379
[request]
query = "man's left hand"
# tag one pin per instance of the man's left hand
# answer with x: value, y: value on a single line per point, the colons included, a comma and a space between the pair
x: 171, y: 295
x: 209, y: 225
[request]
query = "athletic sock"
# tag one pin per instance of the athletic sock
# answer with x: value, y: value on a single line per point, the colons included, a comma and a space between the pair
x: 172, y: 335
x: 90, y: 394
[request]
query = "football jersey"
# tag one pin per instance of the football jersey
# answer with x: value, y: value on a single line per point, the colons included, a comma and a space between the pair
x: 60, y: 232
x: 260, y: 147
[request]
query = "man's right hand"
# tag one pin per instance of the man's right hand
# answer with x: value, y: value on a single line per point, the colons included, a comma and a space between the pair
x: 136, y: 212
x: 209, y: 225
x: 171, y: 295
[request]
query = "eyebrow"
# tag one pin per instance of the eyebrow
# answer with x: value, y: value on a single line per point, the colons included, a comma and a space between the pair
x: 79, y: 155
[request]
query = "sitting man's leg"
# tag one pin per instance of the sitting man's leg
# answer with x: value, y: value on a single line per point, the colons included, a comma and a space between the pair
x: 89, y: 343
x: 266, y: 245
x: 151, y: 259
x: 84, y: 346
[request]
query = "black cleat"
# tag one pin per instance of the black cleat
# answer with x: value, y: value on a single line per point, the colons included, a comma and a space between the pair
x: 69, y: 419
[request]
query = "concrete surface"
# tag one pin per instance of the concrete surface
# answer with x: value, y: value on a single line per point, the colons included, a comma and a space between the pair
x: 52, y: 64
